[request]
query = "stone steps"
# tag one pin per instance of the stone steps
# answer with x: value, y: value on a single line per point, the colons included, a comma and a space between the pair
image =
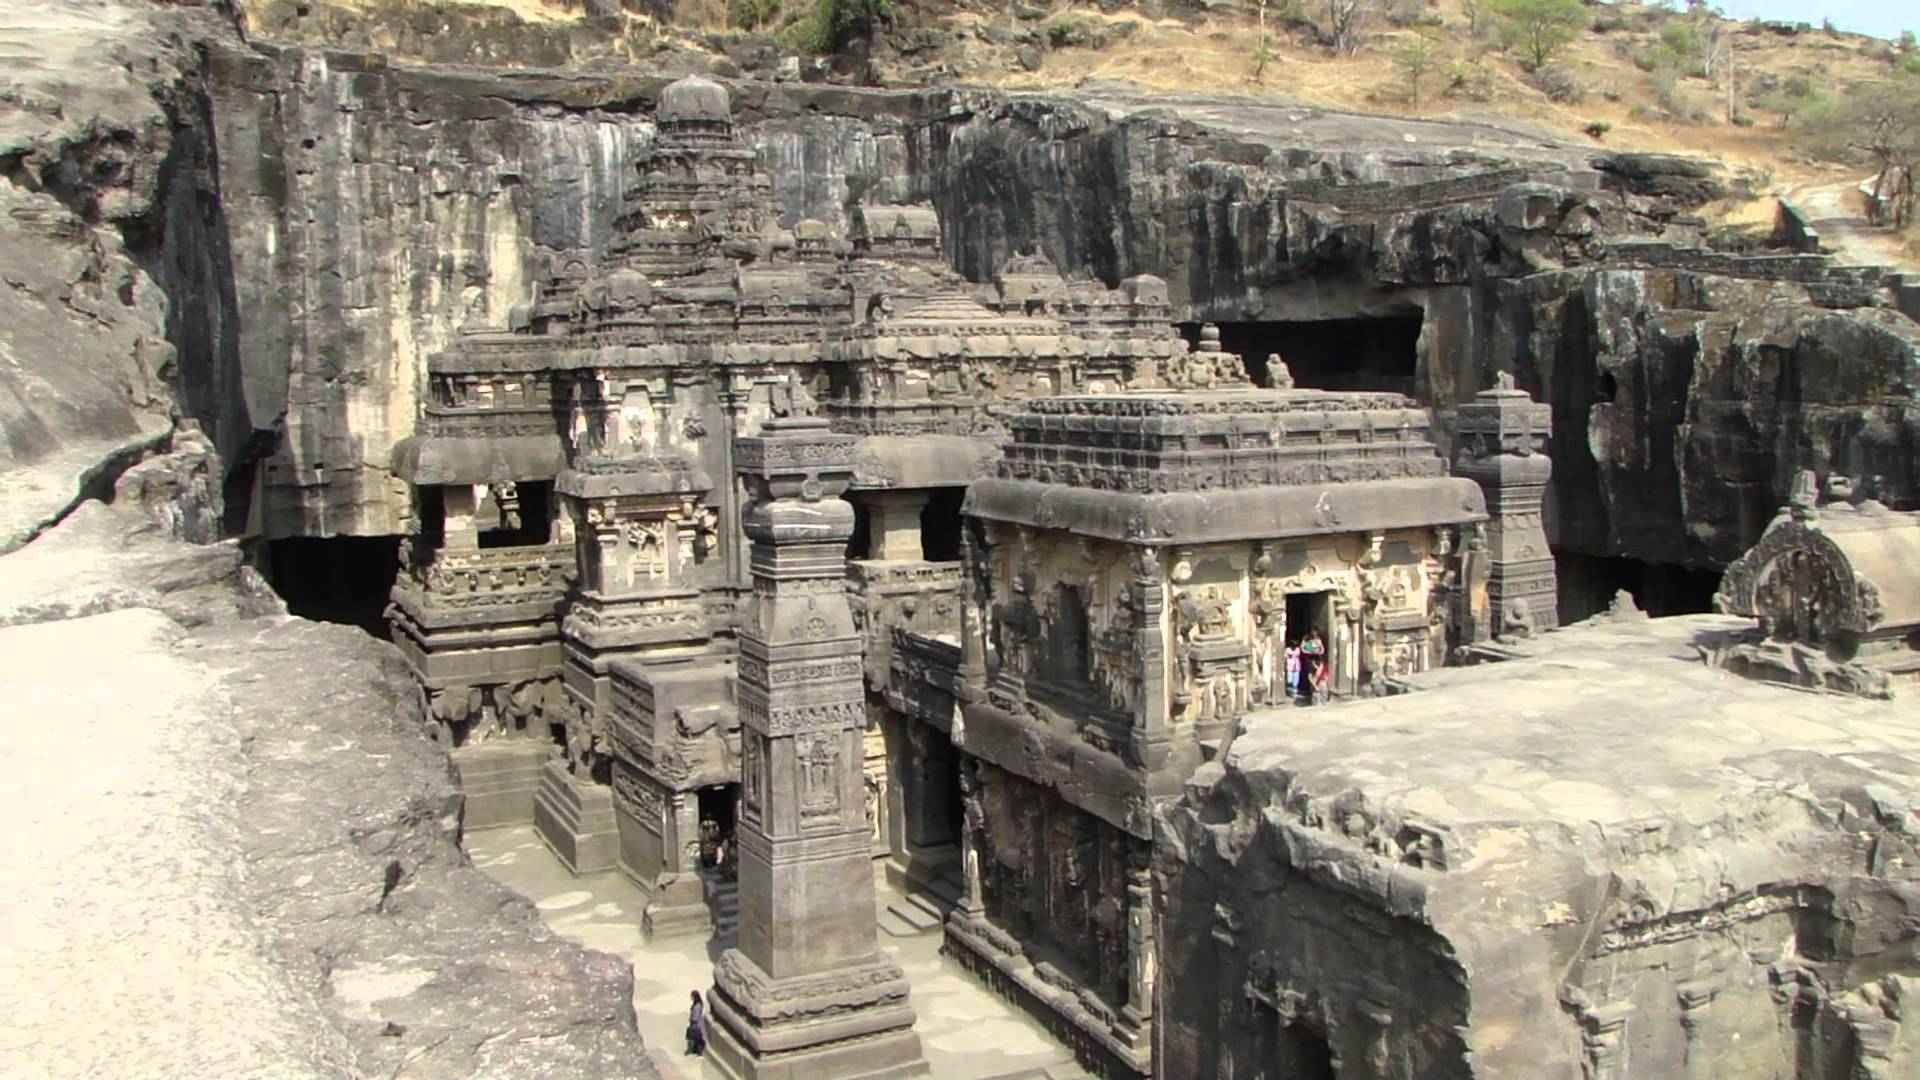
x: 922, y: 910
x: 723, y: 899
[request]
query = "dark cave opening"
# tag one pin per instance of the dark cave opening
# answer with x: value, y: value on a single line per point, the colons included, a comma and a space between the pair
x: 940, y: 525
x: 1328, y: 354
x: 1304, y: 1054
x: 1588, y: 584
x: 336, y: 579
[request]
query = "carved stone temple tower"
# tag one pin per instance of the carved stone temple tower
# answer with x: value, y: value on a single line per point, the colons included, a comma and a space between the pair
x: 1500, y: 441
x: 807, y: 992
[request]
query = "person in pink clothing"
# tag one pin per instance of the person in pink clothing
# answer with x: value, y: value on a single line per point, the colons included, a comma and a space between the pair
x: 1293, y: 670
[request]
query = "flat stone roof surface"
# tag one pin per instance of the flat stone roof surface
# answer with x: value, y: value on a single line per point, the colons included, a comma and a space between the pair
x: 1601, y: 724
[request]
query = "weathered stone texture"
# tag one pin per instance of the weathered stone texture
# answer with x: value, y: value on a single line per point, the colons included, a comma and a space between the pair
x: 1601, y: 859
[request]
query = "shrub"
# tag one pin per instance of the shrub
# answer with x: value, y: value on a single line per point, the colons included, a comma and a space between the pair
x: 753, y: 14
x: 1559, y: 85
x: 833, y: 25
x: 1597, y: 130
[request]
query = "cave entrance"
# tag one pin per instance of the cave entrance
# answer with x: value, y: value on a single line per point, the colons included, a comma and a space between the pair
x: 336, y: 579
x: 1588, y: 584
x: 1380, y: 353
x: 1303, y: 1054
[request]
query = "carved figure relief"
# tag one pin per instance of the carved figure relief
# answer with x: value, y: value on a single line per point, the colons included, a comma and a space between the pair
x: 817, y: 754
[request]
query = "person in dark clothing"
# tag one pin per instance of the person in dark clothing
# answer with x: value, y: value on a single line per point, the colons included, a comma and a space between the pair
x: 697, y: 1027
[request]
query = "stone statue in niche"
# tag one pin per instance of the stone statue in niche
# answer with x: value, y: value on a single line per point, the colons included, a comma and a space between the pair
x: 1279, y: 375
x: 791, y: 400
x: 646, y: 549
x: 818, y: 753
x: 506, y: 496
x: 1210, y: 616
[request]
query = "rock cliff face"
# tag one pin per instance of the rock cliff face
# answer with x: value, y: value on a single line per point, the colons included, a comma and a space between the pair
x: 252, y: 794
x: 373, y: 210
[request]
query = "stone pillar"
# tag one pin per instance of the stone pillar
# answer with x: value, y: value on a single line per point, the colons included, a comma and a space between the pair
x: 893, y: 524
x: 807, y: 992
x: 1500, y: 442
x: 1152, y: 709
x: 1138, y: 1011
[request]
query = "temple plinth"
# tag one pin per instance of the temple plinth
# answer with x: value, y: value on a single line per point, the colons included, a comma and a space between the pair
x: 807, y: 991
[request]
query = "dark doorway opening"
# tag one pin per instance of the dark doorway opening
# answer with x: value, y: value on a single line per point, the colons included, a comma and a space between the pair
x: 1329, y: 354
x: 1588, y: 584
x: 1306, y: 612
x: 716, y: 802
x: 1304, y: 1055
x: 940, y: 525
x: 531, y: 523
x: 337, y: 579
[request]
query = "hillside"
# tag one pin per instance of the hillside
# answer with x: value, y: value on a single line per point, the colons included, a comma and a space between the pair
x: 1635, y: 77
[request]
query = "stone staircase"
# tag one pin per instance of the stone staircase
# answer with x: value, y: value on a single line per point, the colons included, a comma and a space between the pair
x: 723, y: 900
x: 923, y: 910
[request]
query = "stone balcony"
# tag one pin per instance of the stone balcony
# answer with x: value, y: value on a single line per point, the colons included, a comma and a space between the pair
x: 484, y: 586
x: 897, y: 597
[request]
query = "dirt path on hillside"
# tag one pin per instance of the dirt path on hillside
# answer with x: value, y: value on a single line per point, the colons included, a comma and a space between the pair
x: 1838, y: 212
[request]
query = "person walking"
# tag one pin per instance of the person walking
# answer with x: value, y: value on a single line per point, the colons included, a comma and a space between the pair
x: 697, y: 1027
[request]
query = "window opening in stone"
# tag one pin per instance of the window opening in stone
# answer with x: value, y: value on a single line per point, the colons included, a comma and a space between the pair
x: 431, y: 506
x: 716, y: 803
x: 1304, y: 1055
x: 1380, y: 353
x: 1588, y: 584
x: 515, y: 515
x: 1068, y: 639
x: 336, y: 579
x: 940, y: 525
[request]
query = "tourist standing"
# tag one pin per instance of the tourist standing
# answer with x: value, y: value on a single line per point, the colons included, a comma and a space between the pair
x: 697, y: 1027
x: 1293, y: 670
x: 1322, y: 678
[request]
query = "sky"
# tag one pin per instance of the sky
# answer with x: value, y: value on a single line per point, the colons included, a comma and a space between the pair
x: 1881, y: 18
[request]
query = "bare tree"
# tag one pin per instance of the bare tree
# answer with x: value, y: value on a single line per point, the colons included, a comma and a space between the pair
x: 1346, y: 22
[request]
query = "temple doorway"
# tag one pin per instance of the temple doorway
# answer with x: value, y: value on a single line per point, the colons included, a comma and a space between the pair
x: 1307, y: 612
x: 716, y: 826
x: 925, y: 809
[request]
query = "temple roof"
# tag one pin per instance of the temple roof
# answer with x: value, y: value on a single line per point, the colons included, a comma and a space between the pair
x: 695, y: 99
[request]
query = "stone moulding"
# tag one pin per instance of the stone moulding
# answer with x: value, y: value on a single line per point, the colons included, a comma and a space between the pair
x: 1258, y: 513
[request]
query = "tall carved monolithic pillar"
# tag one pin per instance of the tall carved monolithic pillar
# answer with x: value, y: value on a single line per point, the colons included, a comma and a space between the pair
x: 1500, y: 441
x: 807, y: 992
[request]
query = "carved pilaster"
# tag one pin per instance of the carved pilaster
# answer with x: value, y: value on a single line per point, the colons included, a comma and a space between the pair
x: 807, y: 991
x: 1500, y: 441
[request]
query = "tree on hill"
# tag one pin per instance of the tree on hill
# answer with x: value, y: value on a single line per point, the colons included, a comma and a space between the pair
x: 1877, y: 123
x: 1537, y: 29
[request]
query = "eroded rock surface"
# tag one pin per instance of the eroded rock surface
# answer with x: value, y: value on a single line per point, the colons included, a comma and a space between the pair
x: 1603, y: 857
x: 259, y: 874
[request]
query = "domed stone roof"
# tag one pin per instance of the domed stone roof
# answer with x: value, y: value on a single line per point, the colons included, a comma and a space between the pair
x: 695, y: 98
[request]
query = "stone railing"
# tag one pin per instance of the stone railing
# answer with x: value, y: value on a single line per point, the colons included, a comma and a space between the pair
x: 924, y: 677
x: 922, y: 597
x: 511, y: 582
x: 925, y: 417
x: 488, y: 423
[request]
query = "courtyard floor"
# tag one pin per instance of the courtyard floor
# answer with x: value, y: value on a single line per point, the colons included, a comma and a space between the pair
x: 967, y: 1032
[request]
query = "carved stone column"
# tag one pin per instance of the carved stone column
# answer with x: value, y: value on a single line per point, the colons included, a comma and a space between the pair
x: 1141, y: 960
x: 807, y: 992
x: 1500, y: 441
x: 893, y: 524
